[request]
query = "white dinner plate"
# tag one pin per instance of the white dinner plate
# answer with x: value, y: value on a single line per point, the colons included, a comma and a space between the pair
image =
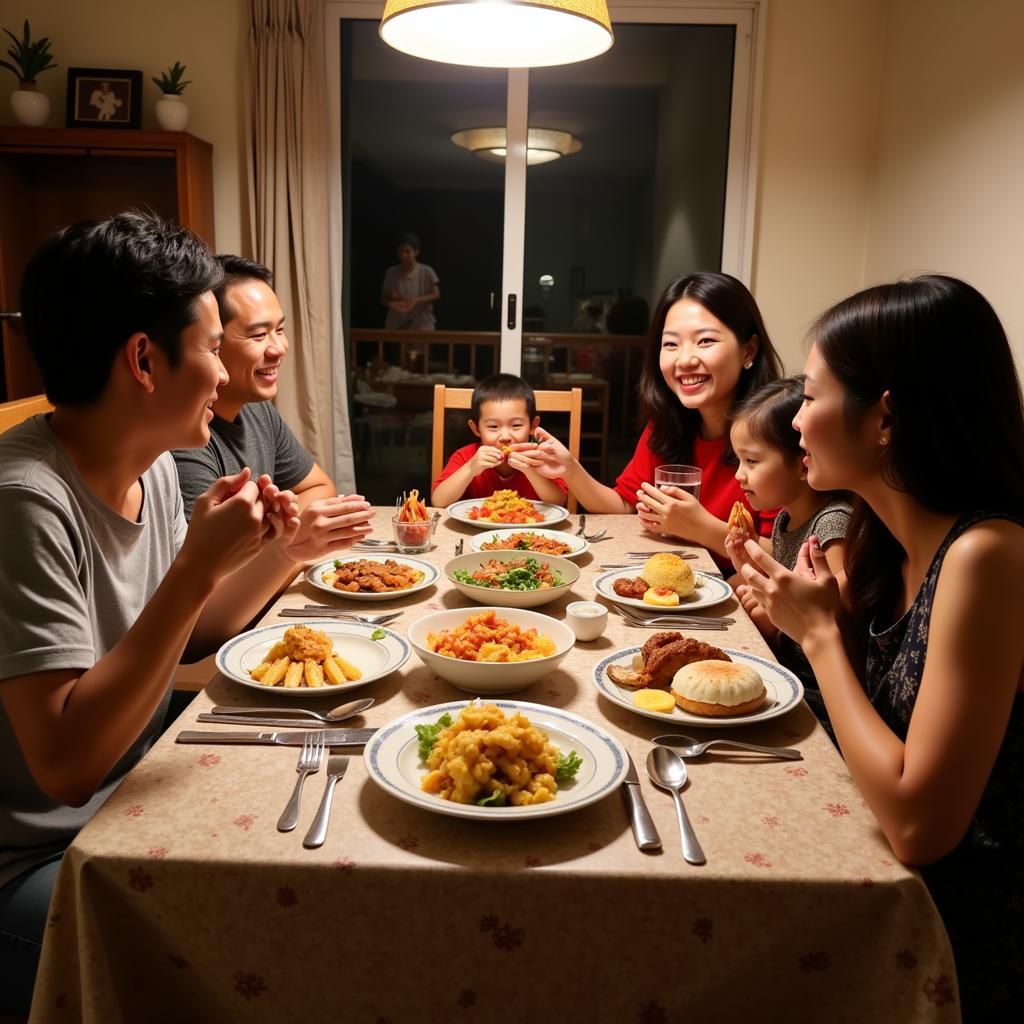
x: 392, y: 760
x: 783, y: 692
x: 711, y: 590
x: 577, y: 545
x: 315, y: 575
x: 352, y: 640
x: 459, y: 511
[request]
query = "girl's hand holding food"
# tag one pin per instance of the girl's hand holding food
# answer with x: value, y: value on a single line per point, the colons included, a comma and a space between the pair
x: 671, y: 510
x: 757, y: 614
x: 804, y: 603
x: 227, y: 526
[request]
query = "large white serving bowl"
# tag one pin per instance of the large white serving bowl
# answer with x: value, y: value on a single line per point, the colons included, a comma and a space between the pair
x: 568, y: 571
x: 482, y: 677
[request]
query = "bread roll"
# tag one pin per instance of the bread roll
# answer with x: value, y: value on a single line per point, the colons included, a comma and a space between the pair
x: 718, y: 689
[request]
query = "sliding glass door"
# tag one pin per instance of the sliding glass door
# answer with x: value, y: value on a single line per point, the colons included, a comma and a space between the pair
x: 549, y: 207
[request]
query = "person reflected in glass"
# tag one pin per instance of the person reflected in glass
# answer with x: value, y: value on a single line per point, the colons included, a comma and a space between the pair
x: 410, y: 290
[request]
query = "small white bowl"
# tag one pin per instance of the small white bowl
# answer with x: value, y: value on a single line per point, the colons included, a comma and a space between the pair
x: 490, y: 676
x: 568, y: 571
x: 587, y: 619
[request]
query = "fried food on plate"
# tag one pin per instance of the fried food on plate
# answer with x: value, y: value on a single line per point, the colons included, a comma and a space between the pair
x: 304, y: 657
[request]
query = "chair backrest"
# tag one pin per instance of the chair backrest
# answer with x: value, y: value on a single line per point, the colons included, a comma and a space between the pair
x: 547, y: 401
x: 12, y: 413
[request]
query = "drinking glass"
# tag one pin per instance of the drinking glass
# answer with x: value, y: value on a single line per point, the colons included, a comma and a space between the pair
x: 413, y: 537
x: 686, y: 478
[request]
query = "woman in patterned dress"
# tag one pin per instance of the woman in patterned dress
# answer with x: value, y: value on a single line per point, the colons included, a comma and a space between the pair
x: 913, y: 404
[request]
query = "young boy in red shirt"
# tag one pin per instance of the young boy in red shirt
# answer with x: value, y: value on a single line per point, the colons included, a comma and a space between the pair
x: 503, y: 416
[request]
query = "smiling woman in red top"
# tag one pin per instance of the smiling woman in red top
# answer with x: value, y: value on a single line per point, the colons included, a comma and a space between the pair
x: 707, y: 348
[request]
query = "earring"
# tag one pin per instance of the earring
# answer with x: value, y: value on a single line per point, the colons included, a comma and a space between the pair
x: 883, y: 441
x: 747, y: 366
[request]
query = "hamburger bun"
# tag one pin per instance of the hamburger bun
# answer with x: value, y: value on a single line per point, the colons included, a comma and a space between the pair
x: 718, y: 689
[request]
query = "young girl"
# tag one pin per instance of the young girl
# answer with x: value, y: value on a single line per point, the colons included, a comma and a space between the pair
x: 772, y: 475
x: 912, y: 403
x: 707, y: 348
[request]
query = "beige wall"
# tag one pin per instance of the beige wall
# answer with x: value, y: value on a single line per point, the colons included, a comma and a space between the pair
x: 891, y: 144
x: 948, y: 188
x: 819, y: 116
x: 207, y: 35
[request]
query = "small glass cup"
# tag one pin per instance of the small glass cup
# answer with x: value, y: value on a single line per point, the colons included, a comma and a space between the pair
x: 686, y: 478
x: 413, y: 537
x: 587, y: 619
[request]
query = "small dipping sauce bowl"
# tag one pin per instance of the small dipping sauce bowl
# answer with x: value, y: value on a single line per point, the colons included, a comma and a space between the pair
x: 587, y: 619
x: 413, y: 537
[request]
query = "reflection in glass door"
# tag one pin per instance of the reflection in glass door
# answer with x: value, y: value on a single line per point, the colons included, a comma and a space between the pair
x: 404, y: 176
x: 637, y: 199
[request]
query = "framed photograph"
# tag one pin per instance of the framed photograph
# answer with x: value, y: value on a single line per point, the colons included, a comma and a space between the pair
x: 104, y: 98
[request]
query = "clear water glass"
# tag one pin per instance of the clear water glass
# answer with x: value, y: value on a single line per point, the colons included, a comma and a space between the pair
x: 686, y: 478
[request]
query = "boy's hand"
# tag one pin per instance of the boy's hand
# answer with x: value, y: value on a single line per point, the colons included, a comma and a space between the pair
x: 485, y: 457
x: 328, y: 524
x: 227, y: 527
x: 525, y: 456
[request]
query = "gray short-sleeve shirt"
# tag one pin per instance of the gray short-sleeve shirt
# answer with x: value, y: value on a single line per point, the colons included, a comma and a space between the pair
x: 76, y: 576
x: 257, y: 438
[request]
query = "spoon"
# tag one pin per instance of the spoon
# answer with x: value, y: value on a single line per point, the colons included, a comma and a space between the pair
x: 668, y: 771
x: 686, y: 746
x: 339, y: 714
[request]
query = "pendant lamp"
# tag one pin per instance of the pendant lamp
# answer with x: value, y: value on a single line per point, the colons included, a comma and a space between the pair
x: 498, y: 33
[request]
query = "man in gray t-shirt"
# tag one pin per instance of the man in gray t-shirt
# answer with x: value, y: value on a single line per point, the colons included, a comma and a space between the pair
x: 247, y: 430
x: 105, y: 588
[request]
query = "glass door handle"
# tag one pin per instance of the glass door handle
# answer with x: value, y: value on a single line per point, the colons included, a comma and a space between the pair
x: 511, y: 319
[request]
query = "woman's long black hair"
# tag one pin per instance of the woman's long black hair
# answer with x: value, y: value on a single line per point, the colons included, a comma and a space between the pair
x: 957, y: 444
x: 673, y: 426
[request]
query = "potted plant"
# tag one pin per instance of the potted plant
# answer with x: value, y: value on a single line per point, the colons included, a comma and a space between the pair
x: 171, y: 112
x: 28, y: 60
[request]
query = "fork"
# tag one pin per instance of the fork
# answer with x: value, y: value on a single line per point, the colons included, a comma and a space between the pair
x: 337, y: 765
x: 632, y: 613
x: 581, y: 530
x: 310, y: 758
x: 647, y: 554
x: 680, y: 621
x: 687, y: 746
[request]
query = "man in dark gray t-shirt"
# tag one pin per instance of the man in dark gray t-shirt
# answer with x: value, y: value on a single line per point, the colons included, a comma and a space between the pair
x: 247, y: 430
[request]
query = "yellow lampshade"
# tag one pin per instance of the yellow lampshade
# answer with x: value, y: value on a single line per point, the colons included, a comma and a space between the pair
x: 542, y: 144
x: 498, y: 33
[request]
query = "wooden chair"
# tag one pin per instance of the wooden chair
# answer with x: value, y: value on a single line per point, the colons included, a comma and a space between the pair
x: 12, y: 413
x: 547, y: 401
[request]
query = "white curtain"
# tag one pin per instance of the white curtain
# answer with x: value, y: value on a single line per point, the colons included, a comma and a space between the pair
x: 289, y: 182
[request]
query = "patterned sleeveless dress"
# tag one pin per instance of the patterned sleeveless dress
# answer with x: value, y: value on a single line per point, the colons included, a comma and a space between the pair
x: 979, y: 886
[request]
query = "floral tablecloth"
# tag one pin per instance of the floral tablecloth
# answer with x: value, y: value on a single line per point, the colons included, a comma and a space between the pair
x: 181, y: 901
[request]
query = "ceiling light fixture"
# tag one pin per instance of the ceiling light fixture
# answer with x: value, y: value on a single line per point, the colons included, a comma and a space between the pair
x: 498, y: 33
x: 542, y: 144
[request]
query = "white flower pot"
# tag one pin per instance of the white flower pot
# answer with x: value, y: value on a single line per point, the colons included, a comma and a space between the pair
x: 172, y: 113
x: 30, y: 107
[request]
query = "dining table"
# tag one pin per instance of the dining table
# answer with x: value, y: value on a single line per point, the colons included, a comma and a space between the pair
x: 181, y: 901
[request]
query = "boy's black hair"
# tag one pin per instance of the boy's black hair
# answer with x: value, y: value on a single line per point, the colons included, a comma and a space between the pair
x: 503, y: 387
x: 408, y: 238
x: 91, y: 286
x: 769, y: 411
x: 236, y: 270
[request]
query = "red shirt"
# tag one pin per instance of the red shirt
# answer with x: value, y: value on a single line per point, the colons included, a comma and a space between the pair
x: 484, y: 484
x: 718, y: 485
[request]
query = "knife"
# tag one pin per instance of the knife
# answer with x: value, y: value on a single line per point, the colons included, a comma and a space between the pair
x: 646, y: 834
x: 286, y: 723
x: 332, y: 737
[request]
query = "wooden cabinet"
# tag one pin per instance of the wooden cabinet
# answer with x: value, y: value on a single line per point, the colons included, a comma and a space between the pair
x: 51, y: 177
